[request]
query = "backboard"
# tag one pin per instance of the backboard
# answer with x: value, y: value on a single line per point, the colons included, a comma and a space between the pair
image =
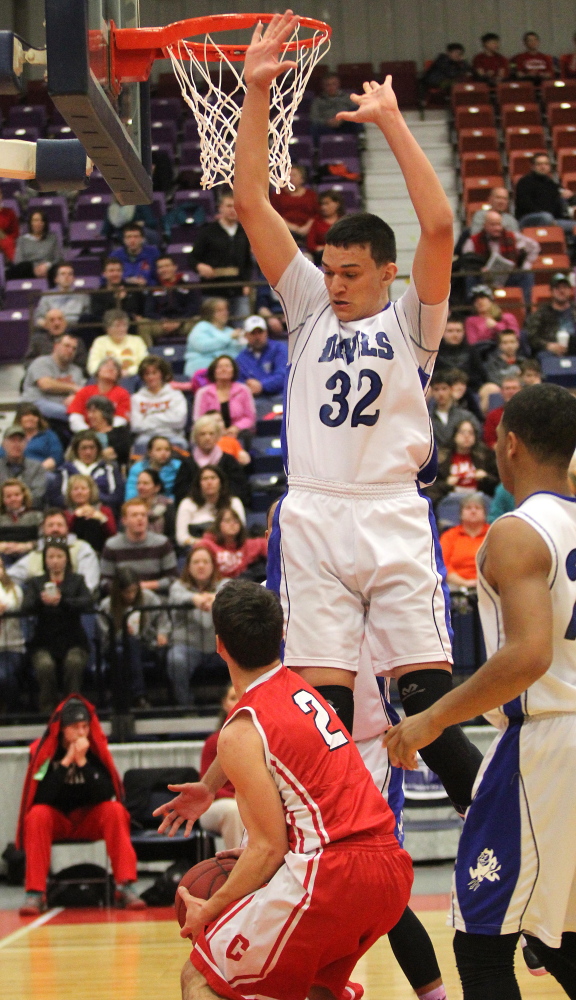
x: 112, y: 122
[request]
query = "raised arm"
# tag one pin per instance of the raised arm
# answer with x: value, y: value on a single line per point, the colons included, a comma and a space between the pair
x: 433, y: 259
x: 270, y: 239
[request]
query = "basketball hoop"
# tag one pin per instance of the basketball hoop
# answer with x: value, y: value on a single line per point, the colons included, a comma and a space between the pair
x: 216, y: 106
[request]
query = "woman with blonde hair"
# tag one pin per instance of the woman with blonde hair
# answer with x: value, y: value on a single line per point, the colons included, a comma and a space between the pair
x: 87, y: 518
x: 19, y: 524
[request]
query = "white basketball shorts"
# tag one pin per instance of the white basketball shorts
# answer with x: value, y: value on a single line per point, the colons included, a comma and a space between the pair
x: 359, y: 561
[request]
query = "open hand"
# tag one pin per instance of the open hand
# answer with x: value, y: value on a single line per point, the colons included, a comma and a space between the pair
x: 262, y: 64
x: 377, y: 99
x: 403, y: 740
x: 193, y: 799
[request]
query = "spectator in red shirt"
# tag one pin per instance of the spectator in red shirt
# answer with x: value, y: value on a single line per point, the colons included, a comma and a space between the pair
x: 532, y: 64
x: 465, y: 466
x: 9, y: 229
x: 299, y: 207
x: 236, y: 554
x: 510, y: 386
x: 568, y: 63
x: 223, y: 816
x: 332, y: 208
x: 461, y: 544
x: 108, y: 375
x: 490, y: 65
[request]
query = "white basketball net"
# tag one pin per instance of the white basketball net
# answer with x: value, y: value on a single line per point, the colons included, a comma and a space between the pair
x: 217, y: 113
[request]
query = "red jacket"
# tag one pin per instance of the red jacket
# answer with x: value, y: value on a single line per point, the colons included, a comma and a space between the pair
x: 10, y: 227
x: 44, y: 749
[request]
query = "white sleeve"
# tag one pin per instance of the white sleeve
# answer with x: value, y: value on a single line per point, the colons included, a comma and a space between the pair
x: 301, y: 291
x: 422, y: 325
x: 237, y: 506
x: 77, y: 423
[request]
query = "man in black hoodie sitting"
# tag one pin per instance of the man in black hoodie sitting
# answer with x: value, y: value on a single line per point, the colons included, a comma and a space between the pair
x: 540, y: 200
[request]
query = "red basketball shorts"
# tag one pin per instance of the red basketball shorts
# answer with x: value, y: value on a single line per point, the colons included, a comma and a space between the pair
x: 310, y: 924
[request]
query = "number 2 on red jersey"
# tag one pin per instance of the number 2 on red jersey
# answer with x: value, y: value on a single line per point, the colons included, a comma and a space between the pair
x: 308, y: 703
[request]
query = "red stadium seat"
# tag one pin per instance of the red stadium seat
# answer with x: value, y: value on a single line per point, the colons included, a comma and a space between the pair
x: 404, y: 80
x: 465, y: 94
x: 475, y: 116
x: 551, y: 238
x: 478, y: 140
x: 520, y: 115
x: 525, y: 137
x: 476, y: 188
x: 558, y: 90
x: 569, y: 181
x: 540, y: 295
x: 480, y: 164
x: 566, y: 160
x: 563, y: 136
x: 511, y: 300
x: 515, y: 92
x: 520, y: 163
x: 547, y: 264
x: 563, y: 113
x: 353, y: 75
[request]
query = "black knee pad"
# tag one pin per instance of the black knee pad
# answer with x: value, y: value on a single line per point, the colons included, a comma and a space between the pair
x: 341, y: 700
x: 486, y: 965
x: 414, y: 951
x: 421, y: 688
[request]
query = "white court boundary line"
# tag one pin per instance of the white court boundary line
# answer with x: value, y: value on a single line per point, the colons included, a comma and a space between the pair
x: 42, y: 919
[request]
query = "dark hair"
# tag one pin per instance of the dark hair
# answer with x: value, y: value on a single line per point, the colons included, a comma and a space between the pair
x: 457, y: 375
x: 66, y: 333
x: 160, y: 364
x: 124, y: 577
x: 530, y: 365
x: 249, y: 622
x: 186, y: 576
x: 132, y: 227
x: 77, y: 441
x: 166, y: 256
x: 455, y: 318
x: 490, y: 36
x: 364, y: 229
x: 105, y: 405
x: 112, y: 316
x: 51, y: 512
x: 455, y: 47
x: 439, y: 378
x: 537, y: 156
x: 53, y: 542
x: 38, y: 211
x: 225, y: 192
x: 217, y: 529
x: 111, y: 260
x: 211, y: 370
x: 543, y: 417
x: 506, y: 333
x: 465, y: 420
x: 336, y: 197
x: 30, y: 410
x: 196, y: 491
x: 154, y: 476
x: 528, y: 33
x: 158, y: 437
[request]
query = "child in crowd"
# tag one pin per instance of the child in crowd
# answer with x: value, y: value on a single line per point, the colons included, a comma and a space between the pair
x: 236, y: 554
x: 158, y: 457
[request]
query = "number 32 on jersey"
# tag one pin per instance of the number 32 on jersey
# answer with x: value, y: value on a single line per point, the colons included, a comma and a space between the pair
x: 308, y: 703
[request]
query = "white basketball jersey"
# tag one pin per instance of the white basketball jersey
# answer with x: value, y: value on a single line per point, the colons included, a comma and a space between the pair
x: 554, y: 518
x: 355, y: 407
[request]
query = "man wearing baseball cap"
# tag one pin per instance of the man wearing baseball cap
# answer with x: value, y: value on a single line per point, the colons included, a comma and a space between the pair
x: 552, y: 326
x: 14, y: 464
x: 262, y: 364
x: 72, y: 791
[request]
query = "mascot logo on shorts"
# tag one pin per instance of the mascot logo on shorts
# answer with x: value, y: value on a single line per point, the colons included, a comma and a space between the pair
x: 487, y: 868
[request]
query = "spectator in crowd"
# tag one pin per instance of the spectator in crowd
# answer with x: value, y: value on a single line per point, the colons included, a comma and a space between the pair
x: 169, y: 308
x: 325, y: 107
x: 15, y: 465
x: 499, y: 201
x: 221, y: 254
x: 331, y: 207
x: 9, y: 229
x: 119, y: 216
x: 465, y: 465
x: 236, y: 554
x: 455, y: 352
x: 137, y: 620
x: 504, y: 360
x: 552, y: 326
x: 72, y: 791
x: 445, y: 415
x: 115, y: 441
x: 42, y: 444
x: 157, y: 408
x: 87, y: 518
x: 128, y: 348
x: 462, y: 393
x: 540, y: 200
x: 58, y: 598
x: 211, y: 336
x: 84, y: 456
x: 298, y: 207
x: 532, y: 64
x: 114, y: 293
x: 158, y: 457
x: 197, y: 512
x: 262, y: 363
x: 227, y: 442
x: 517, y: 249
x: 510, y: 386
x: 12, y: 646
x: 70, y: 302
x: 37, y: 250
x: 193, y: 641
x: 489, y: 64
x: 568, y: 63
x: 84, y: 559
x: 502, y: 503
x: 488, y: 317
x: 42, y: 341
x: 460, y: 545
x: 225, y: 393
x: 19, y: 524
x: 53, y: 380
x: 531, y: 372
x: 108, y: 375
x: 448, y: 67
x: 223, y: 816
x: 161, y: 518
x: 138, y: 258
x: 150, y: 555
x: 206, y: 451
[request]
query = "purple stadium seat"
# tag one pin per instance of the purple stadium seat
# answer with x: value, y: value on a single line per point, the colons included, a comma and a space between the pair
x: 204, y: 198
x: 190, y: 130
x: 186, y: 233
x: 89, y: 267
x: 26, y: 115
x: 57, y: 130
x: 2, y: 271
x: 301, y: 149
x: 166, y: 108
x: 58, y: 228
x: 164, y: 131
x: 180, y: 252
x: 337, y: 146
x: 97, y: 184
x: 55, y: 207
x: 87, y: 234
x: 14, y: 334
x: 159, y: 204
x: 90, y: 207
x: 86, y: 283
x: 163, y: 147
x: 10, y: 187
x: 29, y: 133
x: 189, y: 154
x: 17, y: 293
x: 301, y: 125
x: 349, y: 191
x: 352, y: 164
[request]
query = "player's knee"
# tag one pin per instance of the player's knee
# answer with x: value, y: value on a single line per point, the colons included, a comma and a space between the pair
x: 421, y: 688
x: 485, y: 958
x: 193, y: 984
x: 341, y: 700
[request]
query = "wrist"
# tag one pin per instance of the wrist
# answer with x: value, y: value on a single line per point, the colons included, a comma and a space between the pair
x: 390, y: 118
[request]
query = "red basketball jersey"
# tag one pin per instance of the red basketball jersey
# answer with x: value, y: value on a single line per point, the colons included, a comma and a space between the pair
x: 327, y: 792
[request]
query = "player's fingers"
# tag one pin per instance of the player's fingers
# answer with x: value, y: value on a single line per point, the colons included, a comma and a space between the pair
x: 366, y: 87
x: 176, y: 824
x: 189, y: 828
x: 256, y: 36
x: 284, y: 66
x: 346, y: 116
x: 175, y: 788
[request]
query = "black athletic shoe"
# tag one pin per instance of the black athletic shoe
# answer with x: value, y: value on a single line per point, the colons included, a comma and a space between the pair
x: 533, y: 963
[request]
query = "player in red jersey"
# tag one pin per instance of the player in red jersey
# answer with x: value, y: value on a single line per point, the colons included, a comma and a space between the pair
x: 323, y: 876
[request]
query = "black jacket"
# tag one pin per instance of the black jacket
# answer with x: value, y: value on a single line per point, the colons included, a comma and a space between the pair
x: 172, y: 302
x: 73, y: 787
x: 539, y: 193
x: 542, y: 326
x: 464, y: 357
x: 215, y: 247
x: 59, y: 627
x: 234, y: 472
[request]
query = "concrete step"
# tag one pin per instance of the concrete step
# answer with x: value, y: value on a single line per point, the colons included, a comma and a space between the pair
x: 383, y: 160
x: 426, y: 131
x: 378, y: 185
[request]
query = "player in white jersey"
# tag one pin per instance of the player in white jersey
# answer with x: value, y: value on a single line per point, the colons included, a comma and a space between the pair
x: 353, y: 553
x: 516, y: 864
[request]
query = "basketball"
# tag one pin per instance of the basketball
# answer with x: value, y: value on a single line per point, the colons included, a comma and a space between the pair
x: 203, y: 880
